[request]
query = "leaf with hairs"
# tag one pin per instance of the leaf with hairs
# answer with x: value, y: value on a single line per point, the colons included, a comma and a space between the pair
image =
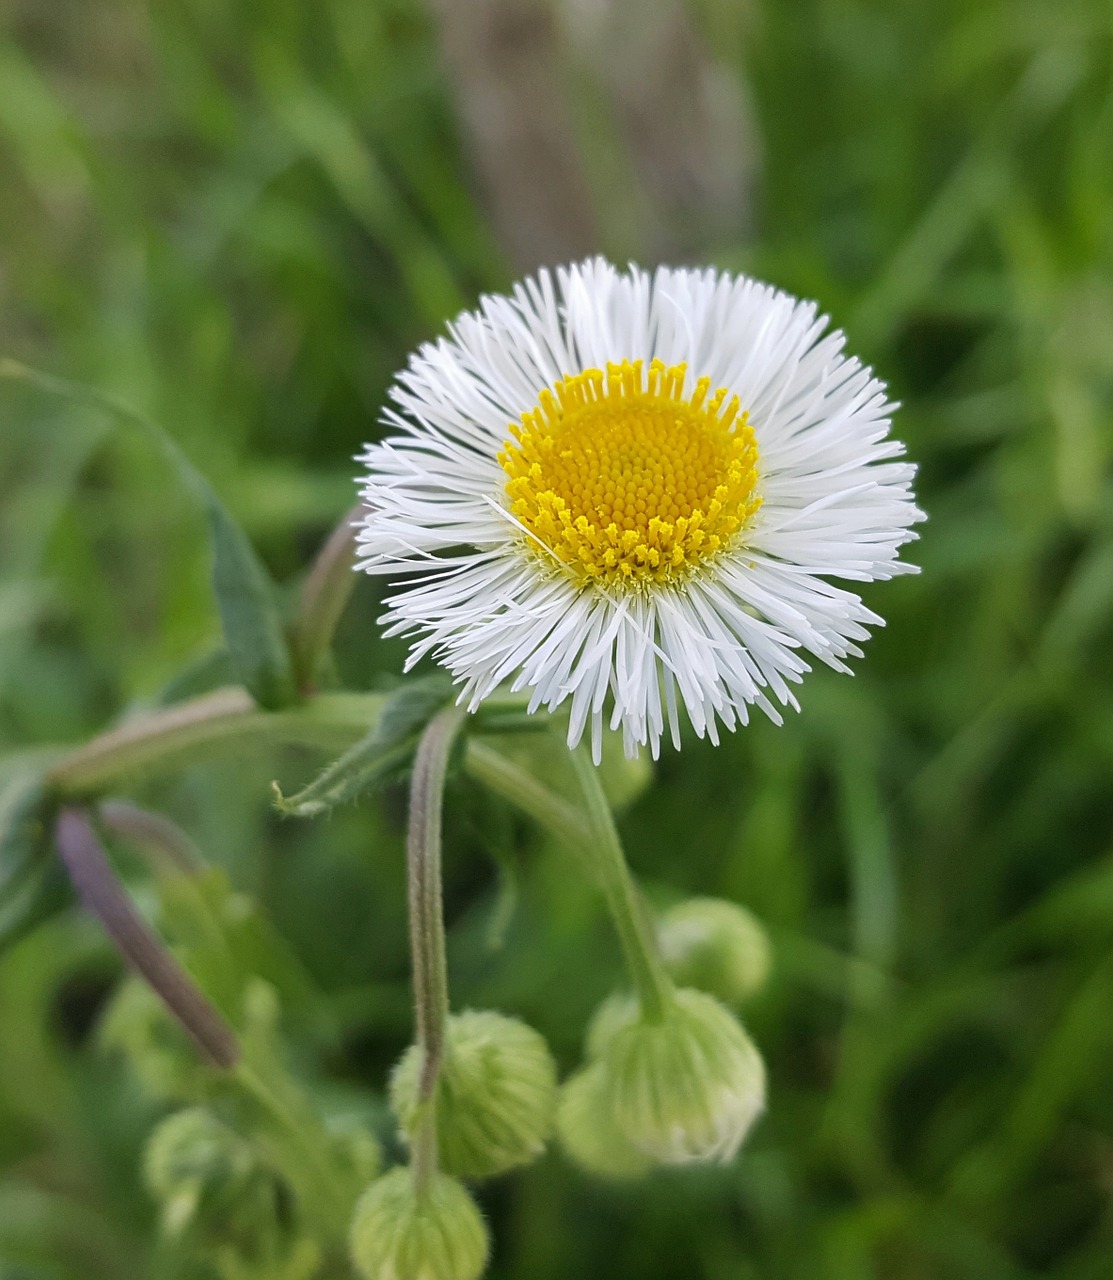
x: 375, y: 758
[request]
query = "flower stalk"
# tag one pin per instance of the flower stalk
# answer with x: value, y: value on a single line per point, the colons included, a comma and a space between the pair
x: 635, y: 929
x: 427, y: 940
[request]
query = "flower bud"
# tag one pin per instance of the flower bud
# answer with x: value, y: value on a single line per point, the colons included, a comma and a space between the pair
x: 588, y: 1132
x: 399, y: 1233
x: 616, y: 1012
x: 496, y: 1094
x: 715, y: 946
x: 198, y: 1168
x: 687, y: 1088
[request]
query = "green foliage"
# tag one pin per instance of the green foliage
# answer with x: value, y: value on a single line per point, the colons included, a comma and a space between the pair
x: 381, y: 754
x: 32, y: 886
x: 239, y: 218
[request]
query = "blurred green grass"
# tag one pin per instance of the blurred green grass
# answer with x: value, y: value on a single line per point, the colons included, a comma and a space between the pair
x: 240, y: 217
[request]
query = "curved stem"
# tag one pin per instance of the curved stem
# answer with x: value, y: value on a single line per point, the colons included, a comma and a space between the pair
x: 165, y: 845
x: 427, y: 942
x: 522, y: 789
x: 635, y: 929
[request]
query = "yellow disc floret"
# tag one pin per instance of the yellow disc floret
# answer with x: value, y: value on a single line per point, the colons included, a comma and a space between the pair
x: 626, y: 480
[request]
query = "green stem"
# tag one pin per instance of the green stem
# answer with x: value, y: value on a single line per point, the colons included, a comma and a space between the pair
x: 169, y: 851
x: 302, y: 1146
x: 635, y: 929
x: 521, y: 788
x: 427, y: 941
x: 228, y: 718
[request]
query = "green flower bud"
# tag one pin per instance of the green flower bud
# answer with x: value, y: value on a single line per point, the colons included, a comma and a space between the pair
x: 616, y: 1012
x: 687, y: 1088
x: 715, y: 946
x: 588, y: 1132
x: 496, y: 1094
x: 401, y: 1234
x: 200, y: 1170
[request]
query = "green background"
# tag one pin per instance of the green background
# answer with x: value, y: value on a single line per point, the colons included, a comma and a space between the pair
x: 240, y: 216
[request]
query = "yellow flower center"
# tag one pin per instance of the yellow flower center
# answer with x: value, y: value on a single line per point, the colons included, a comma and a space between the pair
x: 626, y: 480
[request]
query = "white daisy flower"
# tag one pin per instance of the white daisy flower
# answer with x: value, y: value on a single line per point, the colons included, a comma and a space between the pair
x: 631, y: 493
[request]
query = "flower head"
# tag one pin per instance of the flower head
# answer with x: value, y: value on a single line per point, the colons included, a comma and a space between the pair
x: 631, y: 492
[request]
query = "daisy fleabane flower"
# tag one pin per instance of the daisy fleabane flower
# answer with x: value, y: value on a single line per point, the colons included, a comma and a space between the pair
x: 631, y: 492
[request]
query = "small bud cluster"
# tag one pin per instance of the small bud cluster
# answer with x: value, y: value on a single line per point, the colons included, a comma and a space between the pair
x: 689, y: 1085
x: 494, y: 1109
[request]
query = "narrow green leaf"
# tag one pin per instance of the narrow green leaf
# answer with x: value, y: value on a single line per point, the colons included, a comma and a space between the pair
x: 376, y: 757
x: 248, y: 611
x: 245, y: 598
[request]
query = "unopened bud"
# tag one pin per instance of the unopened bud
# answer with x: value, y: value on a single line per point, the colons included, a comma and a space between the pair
x: 715, y: 946
x: 686, y: 1088
x: 198, y: 1168
x: 496, y: 1094
x: 588, y: 1132
x: 616, y: 1012
x: 401, y: 1233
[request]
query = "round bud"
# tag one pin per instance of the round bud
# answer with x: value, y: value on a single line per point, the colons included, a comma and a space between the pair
x: 400, y: 1234
x: 715, y: 946
x: 198, y: 1168
x: 617, y: 1011
x: 496, y: 1094
x: 587, y: 1129
x: 687, y: 1088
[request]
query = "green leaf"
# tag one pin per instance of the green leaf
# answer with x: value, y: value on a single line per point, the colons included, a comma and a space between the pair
x: 245, y: 598
x: 375, y: 758
x: 33, y: 885
x: 248, y: 610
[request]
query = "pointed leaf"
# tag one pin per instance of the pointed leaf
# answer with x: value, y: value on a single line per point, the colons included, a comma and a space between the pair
x: 375, y: 758
x: 245, y: 597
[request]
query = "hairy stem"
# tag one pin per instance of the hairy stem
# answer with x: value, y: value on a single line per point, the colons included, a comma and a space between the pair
x: 427, y: 943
